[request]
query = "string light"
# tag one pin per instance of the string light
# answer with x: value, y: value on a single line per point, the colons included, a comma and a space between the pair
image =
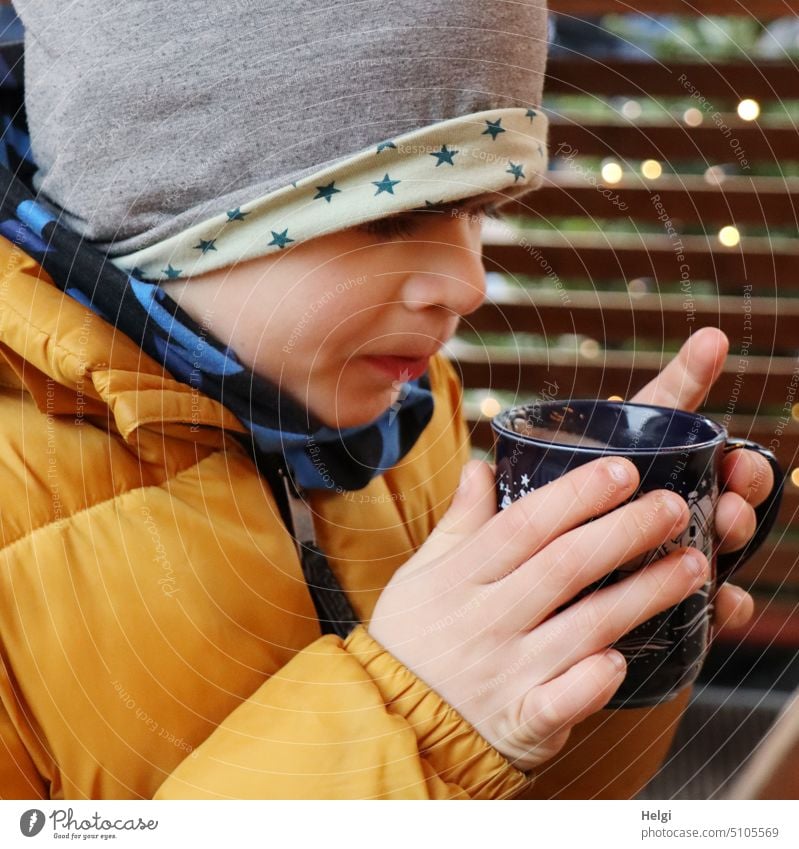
x: 795, y: 412
x: 651, y: 169
x: 612, y: 172
x: 631, y: 109
x: 615, y: 398
x: 490, y: 407
x: 715, y: 175
x: 589, y: 348
x: 729, y: 236
x: 795, y: 477
x: 693, y: 117
x: 749, y: 109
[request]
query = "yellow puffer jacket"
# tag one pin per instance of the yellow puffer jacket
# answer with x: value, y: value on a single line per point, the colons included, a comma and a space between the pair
x: 157, y: 638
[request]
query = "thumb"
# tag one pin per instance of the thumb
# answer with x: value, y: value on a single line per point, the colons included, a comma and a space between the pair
x: 473, y: 504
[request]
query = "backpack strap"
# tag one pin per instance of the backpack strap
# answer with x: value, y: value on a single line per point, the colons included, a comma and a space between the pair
x: 333, y: 608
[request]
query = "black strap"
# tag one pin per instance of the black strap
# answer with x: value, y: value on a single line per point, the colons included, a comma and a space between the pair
x: 333, y: 608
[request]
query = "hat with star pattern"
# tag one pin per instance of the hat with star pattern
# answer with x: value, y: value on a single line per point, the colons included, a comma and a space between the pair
x: 220, y: 134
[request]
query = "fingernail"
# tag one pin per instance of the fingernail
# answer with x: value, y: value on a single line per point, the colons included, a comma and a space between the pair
x: 619, y: 472
x: 616, y: 658
x: 695, y: 563
x: 674, y: 506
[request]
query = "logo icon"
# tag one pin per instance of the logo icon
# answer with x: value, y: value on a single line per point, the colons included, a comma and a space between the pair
x: 400, y: 391
x: 31, y: 822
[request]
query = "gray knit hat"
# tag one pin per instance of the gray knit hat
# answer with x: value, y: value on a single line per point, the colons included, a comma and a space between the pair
x: 183, y: 137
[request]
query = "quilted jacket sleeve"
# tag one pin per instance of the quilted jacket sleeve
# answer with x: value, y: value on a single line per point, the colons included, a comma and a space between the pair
x: 344, y: 719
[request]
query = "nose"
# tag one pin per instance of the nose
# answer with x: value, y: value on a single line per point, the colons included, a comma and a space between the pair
x: 448, y: 271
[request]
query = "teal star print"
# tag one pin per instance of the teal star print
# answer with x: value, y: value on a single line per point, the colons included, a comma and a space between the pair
x: 516, y: 170
x: 385, y: 185
x: 493, y: 129
x: 280, y: 239
x: 170, y: 272
x: 531, y: 113
x: 206, y: 245
x: 444, y: 156
x: 326, y: 192
x: 386, y: 144
x: 136, y: 272
x: 236, y: 214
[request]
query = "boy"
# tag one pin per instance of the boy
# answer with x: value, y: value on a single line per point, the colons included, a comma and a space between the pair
x: 160, y: 625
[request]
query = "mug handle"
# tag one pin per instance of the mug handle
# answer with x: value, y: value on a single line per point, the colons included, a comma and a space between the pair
x: 766, y: 513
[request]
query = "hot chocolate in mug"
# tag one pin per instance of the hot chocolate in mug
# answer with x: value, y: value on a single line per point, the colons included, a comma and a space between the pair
x: 672, y: 449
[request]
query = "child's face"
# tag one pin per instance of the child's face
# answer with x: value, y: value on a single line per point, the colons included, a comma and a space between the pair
x: 314, y: 317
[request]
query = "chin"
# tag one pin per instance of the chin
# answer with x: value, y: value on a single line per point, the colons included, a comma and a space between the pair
x: 357, y: 413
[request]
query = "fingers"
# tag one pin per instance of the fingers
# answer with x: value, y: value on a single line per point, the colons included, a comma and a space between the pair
x: 685, y: 381
x: 473, y: 504
x: 747, y: 474
x: 735, y: 522
x: 573, y: 696
x: 606, y: 615
x: 733, y: 608
x: 531, y: 523
x: 581, y: 556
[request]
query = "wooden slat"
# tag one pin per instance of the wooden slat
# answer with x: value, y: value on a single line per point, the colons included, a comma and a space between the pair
x: 770, y: 265
x: 773, y: 567
x: 761, y: 79
x: 614, y: 317
x: 763, y: 10
x: 761, y: 201
x: 765, y: 381
x: 671, y: 141
x: 758, y: 428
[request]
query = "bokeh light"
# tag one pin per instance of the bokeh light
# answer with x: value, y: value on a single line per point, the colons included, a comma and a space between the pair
x: 693, y: 117
x: 589, y: 348
x: 612, y: 172
x: 651, y: 169
x: 615, y: 398
x: 795, y: 412
x: 631, y: 109
x: 749, y: 109
x: 795, y: 477
x: 715, y: 175
x: 490, y: 407
x: 729, y: 236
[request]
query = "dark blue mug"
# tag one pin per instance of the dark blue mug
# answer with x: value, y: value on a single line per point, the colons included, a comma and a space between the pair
x: 672, y: 449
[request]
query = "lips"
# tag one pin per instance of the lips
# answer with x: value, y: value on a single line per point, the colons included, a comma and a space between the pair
x: 400, y: 368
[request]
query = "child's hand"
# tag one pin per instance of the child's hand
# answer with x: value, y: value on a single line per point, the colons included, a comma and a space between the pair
x: 473, y: 612
x: 746, y: 477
